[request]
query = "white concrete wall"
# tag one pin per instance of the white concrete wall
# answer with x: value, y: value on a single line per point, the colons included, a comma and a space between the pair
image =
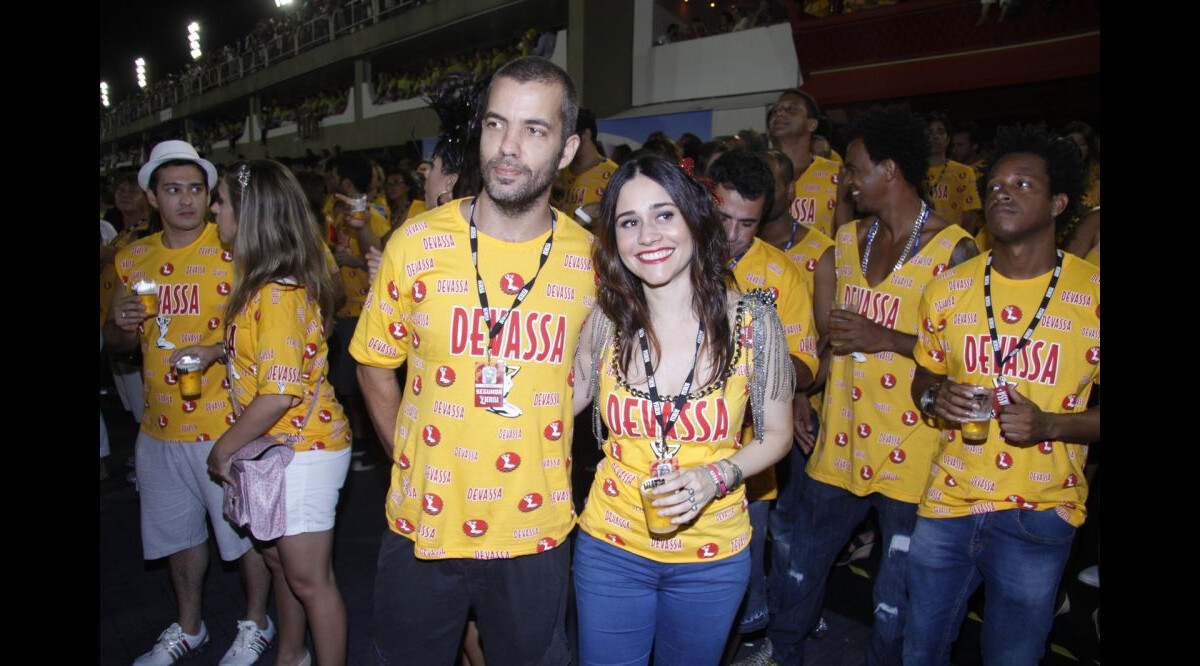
x: 729, y: 121
x: 736, y: 63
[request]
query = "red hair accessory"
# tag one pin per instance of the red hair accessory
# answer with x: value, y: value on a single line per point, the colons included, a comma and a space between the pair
x: 688, y: 165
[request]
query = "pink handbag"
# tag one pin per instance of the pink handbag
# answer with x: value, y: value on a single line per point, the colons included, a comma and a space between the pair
x: 257, y: 499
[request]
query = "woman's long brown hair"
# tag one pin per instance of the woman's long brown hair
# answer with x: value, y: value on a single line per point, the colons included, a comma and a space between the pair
x: 276, y: 236
x: 621, y: 295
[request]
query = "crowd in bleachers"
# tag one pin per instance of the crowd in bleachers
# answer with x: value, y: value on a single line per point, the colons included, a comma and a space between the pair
x: 307, y: 24
x: 423, y: 77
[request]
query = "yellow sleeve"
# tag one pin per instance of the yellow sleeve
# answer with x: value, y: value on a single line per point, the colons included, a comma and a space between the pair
x: 379, y: 339
x: 279, y: 340
x: 929, y: 352
x: 795, y: 308
x: 378, y: 219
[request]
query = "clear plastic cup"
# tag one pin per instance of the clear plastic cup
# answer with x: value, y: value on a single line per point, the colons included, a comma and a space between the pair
x: 655, y: 523
x: 147, y: 291
x: 189, y: 370
x: 358, y: 207
x: 975, y: 428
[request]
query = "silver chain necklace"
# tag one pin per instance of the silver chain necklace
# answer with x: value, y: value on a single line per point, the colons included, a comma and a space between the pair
x: 908, y: 247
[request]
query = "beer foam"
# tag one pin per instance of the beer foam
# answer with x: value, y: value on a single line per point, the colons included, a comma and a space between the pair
x: 188, y: 363
x: 145, y: 287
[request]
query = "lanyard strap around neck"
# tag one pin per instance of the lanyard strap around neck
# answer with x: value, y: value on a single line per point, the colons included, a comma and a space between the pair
x: 664, y: 428
x: 792, y: 241
x: 1037, y: 317
x: 494, y: 329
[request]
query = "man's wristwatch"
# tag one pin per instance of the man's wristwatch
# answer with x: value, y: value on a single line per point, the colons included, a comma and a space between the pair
x: 927, y: 398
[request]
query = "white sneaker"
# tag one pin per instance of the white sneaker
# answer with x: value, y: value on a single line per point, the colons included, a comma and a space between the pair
x: 250, y: 644
x: 174, y: 645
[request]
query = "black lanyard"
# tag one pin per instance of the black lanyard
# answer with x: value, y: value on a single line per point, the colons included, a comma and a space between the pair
x: 494, y: 329
x: 664, y: 429
x: 1037, y: 317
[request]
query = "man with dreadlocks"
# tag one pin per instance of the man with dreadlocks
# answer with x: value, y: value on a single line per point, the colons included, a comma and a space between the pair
x: 483, y: 298
x: 1023, y: 321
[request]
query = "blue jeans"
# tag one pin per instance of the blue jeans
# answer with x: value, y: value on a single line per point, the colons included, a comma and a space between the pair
x: 1019, y: 555
x: 826, y: 517
x: 754, y: 607
x: 790, y: 478
x: 628, y: 604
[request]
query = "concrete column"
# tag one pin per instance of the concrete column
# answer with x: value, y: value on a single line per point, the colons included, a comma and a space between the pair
x: 253, y: 146
x: 604, y: 30
x: 362, y: 74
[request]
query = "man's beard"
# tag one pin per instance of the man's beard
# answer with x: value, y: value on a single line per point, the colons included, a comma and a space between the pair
x: 515, y: 204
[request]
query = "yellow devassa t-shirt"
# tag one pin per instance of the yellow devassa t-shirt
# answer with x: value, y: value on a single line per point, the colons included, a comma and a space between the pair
x: 872, y: 436
x: 1056, y: 370
x: 766, y: 267
x: 816, y: 195
x: 276, y: 346
x: 193, y: 284
x: 474, y: 482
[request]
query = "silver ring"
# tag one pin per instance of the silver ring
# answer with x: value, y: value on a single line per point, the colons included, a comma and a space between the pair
x: 691, y: 492
x: 122, y: 315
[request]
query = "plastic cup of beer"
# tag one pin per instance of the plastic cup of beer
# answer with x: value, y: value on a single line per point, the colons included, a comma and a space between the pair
x: 358, y: 207
x: 147, y: 291
x: 655, y: 523
x: 189, y: 370
x: 975, y: 428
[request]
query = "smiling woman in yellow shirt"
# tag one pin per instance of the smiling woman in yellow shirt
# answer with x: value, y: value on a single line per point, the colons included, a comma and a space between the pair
x: 672, y: 356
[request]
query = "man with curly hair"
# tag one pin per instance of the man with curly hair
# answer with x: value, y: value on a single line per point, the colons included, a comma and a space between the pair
x: 873, y: 450
x: 1002, y: 510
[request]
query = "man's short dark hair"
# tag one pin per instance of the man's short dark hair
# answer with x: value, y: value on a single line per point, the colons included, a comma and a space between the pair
x: 938, y: 117
x: 534, y: 68
x: 810, y: 103
x: 748, y: 174
x: 153, y: 182
x: 707, y: 149
x: 1064, y: 165
x: 897, y: 134
x: 586, y: 120
x: 355, y: 167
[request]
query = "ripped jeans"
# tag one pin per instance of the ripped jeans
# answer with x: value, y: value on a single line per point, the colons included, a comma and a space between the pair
x: 825, y: 518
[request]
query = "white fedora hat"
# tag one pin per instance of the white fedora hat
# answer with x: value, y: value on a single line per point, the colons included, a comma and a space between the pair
x: 175, y: 150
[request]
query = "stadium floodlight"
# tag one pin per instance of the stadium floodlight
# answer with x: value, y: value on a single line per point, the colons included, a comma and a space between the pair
x: 282, y: 3
x: 140, y: 68
x: 104, y: 93
x: 194, y: 39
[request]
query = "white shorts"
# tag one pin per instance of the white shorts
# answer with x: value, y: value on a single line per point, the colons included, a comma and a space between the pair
x: 175, y: 492
x: 313, y: 481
